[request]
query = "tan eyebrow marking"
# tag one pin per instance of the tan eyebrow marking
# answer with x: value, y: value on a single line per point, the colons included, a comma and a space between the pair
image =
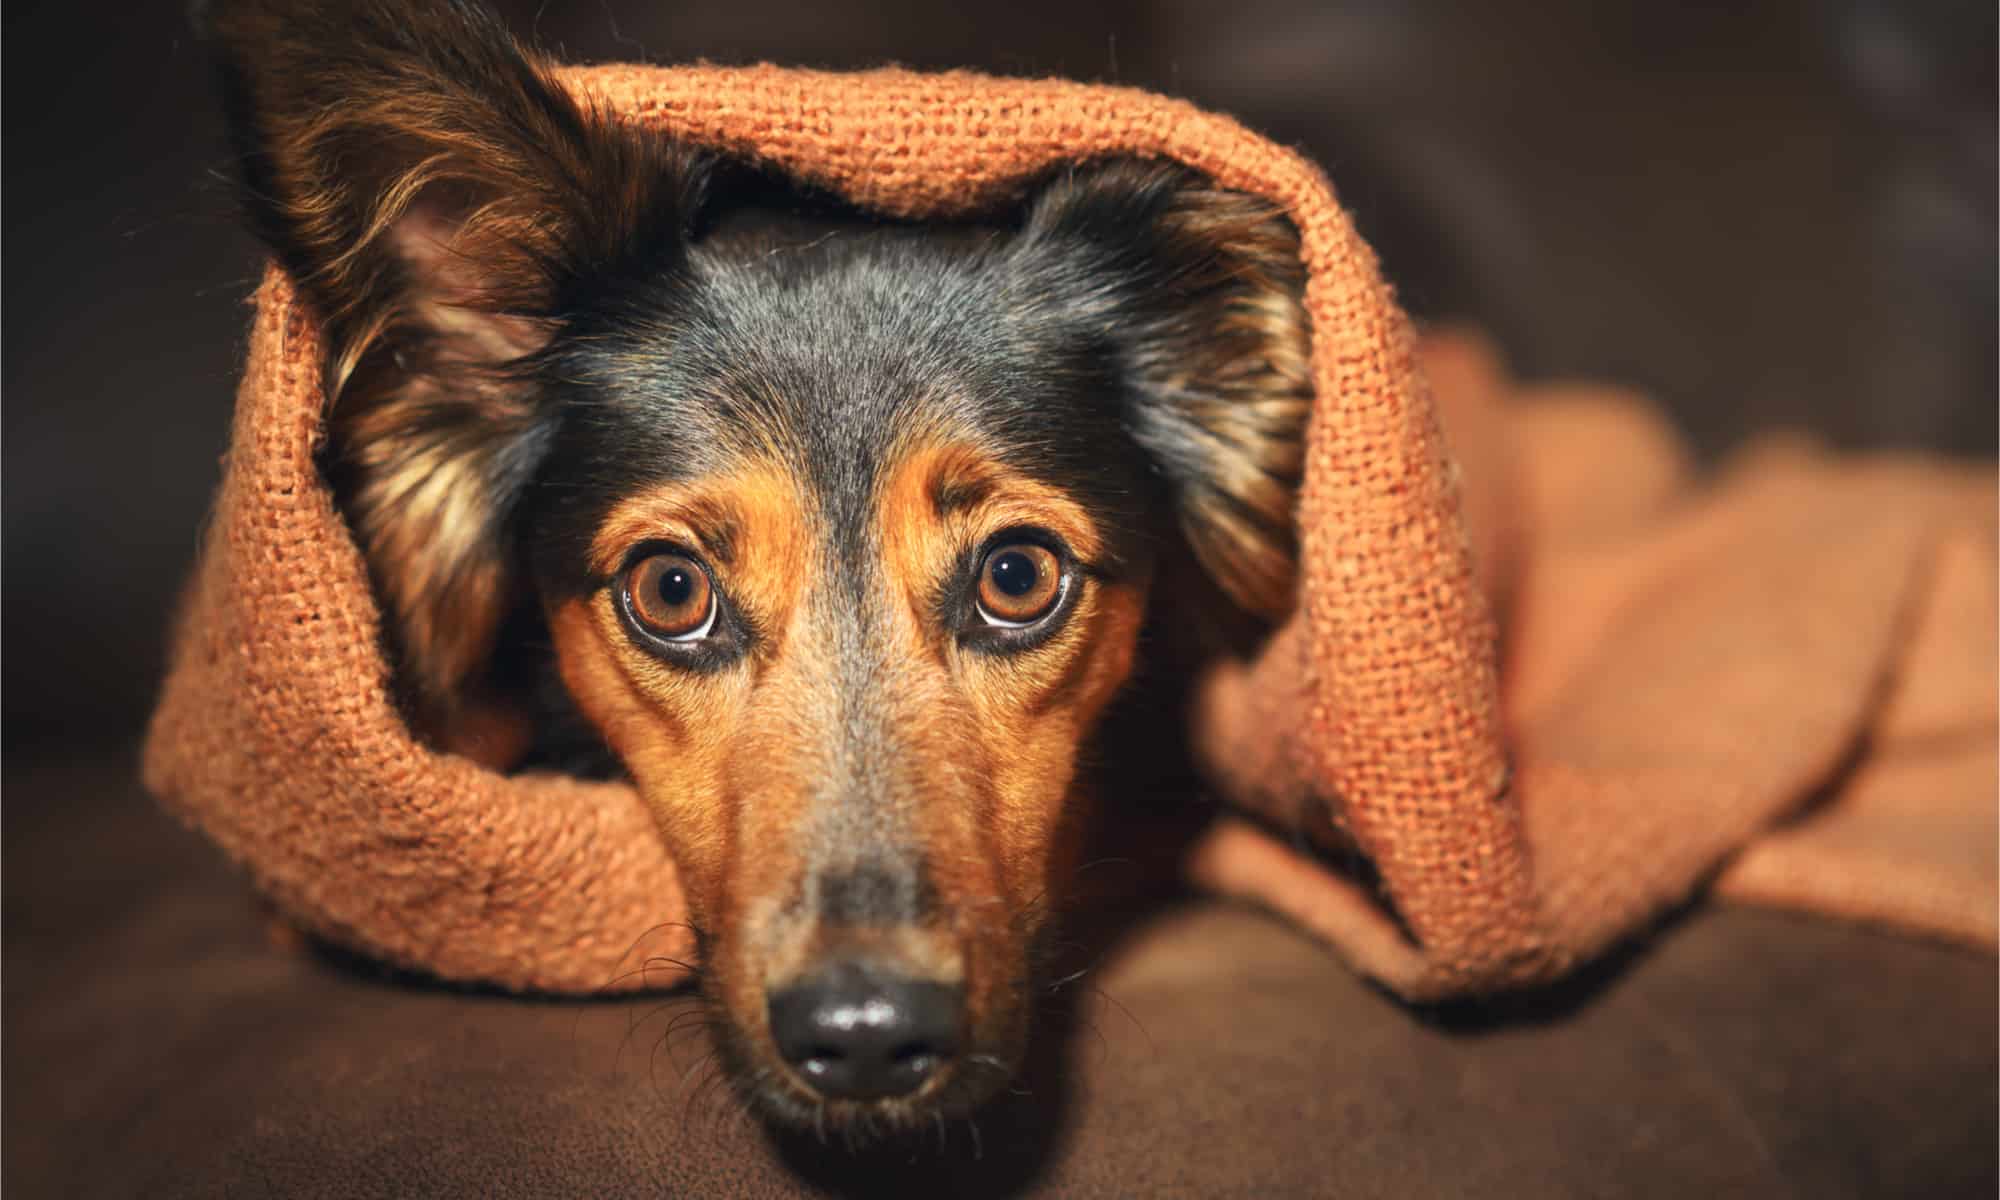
x: 711, y: 514
x: 949, y: 494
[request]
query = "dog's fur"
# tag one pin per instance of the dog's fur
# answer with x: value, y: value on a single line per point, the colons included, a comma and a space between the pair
x: 562, y: 346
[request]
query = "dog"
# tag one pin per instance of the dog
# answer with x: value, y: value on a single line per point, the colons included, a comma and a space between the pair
x: 838, y: 535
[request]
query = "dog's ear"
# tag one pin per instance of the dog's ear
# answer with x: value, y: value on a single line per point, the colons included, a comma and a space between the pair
x: 1198, y: 293
x: 438, y: 197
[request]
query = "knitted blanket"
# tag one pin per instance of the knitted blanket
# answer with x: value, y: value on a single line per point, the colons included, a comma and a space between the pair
x: 1542, y: 681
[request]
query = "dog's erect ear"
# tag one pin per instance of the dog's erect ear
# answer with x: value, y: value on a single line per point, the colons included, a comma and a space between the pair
x: 1199, y: 293
x: 437, y: 196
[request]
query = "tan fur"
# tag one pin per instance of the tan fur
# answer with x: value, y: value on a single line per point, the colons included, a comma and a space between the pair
x: 1252, y: 372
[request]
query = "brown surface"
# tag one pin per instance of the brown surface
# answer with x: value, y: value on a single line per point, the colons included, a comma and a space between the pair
x: 159, y: 1045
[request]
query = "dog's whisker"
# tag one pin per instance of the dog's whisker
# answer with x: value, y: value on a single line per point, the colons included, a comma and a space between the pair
x: 1068, y: 979
x: 610, y: 986
x: 632, y: 1026
x: 689, y: 1094
x: 653, y: 1070
x: 697, y: 1022
x: 1107, y: 997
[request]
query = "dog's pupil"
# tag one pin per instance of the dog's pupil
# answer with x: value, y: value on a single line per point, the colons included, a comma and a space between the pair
x: 676, y: 586
x: 1014, y: 573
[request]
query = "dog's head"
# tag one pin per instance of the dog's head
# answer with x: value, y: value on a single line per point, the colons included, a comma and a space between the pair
x: 842, y: 532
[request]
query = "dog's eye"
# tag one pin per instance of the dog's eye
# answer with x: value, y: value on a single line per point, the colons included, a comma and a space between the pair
x: 1019, y: 584
x: 670, y: 596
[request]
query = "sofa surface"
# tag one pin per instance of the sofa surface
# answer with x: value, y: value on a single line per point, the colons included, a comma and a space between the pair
x: 160, y: 1044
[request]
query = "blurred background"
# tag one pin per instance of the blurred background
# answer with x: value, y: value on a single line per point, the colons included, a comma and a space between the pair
x: 1771, y: 215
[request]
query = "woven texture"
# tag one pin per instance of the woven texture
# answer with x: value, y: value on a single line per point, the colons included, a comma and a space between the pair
x: 1682, y: 669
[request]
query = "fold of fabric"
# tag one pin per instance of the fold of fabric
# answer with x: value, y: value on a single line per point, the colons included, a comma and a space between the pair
x: 1781, y: 679
x: 1545, y: 684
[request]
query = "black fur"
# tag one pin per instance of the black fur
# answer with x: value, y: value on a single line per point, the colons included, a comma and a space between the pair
x: 845, y: 336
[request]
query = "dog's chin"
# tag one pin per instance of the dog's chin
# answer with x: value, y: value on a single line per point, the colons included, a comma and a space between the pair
x: 792, y: 1109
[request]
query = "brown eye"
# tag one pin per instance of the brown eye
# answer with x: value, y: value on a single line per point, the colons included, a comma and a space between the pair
x: 1019, y: 584
x: 670, y: 596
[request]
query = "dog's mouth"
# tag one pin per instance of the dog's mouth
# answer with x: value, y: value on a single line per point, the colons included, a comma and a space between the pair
x: 789, y: 1101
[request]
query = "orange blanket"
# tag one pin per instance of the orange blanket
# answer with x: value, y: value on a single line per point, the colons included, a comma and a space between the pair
x: 1543, y: 683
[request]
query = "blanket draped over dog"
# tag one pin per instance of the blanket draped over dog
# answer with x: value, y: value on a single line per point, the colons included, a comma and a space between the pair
x: 1544, y: 684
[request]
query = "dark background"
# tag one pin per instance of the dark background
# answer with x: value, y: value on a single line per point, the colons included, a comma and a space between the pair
x: 1778, y: 215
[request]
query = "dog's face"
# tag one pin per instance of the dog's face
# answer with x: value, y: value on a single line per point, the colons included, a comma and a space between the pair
x: 841, y: 532
x: 861, y: 564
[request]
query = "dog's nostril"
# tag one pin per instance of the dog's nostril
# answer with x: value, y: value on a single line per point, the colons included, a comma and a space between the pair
x: 855, y: 1033
x: 912, y: 1051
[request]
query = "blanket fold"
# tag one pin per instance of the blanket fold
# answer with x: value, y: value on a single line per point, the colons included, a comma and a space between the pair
x: 1542, y: 680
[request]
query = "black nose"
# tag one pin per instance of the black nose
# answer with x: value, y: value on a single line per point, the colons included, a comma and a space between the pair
x: 856, y: 1033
